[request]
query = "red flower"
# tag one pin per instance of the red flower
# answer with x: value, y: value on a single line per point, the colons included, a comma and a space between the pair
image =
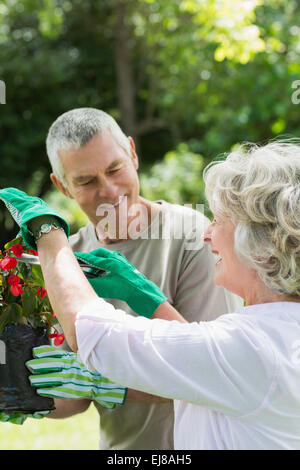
x: 41, y: 292
x: 16, y: 289
x: 33, y: 252
x: 59, y: 339
x: 13, y: 280
x: 8, y: 263
x: 17, y: 250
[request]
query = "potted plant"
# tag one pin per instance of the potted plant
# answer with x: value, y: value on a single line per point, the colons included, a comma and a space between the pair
x: 26, y: 318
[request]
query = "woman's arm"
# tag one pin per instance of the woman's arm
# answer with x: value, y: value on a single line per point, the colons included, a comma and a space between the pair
x: 67, y: 287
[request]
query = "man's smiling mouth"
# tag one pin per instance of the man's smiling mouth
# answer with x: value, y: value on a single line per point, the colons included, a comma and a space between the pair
x: 113, y: 205
x: 119, y: 202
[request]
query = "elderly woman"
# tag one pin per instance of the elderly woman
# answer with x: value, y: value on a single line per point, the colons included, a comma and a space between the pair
x: 235, y: 381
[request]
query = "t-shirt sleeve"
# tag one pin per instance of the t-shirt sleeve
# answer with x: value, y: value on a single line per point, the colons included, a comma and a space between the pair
x: 217, y: 365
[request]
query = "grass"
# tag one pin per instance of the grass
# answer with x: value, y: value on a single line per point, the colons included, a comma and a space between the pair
x: 80, y: 432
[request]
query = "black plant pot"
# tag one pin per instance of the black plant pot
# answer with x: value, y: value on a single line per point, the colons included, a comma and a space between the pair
x: 16, y: 392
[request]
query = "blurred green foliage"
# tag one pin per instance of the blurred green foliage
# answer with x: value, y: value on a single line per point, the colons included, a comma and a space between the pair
x: 209, y: 73
x: 177, y: 178
x: 67, y: 208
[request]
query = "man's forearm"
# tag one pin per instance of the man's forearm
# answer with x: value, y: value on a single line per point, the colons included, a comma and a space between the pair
x: 141, y: 397
x: 66, y: 408
x: 166, y: 312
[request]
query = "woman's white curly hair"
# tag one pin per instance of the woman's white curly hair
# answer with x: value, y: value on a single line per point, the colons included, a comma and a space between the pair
x: 258, y: 187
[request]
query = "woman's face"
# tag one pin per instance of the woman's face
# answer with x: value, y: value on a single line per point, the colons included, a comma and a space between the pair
x: 231, y: 273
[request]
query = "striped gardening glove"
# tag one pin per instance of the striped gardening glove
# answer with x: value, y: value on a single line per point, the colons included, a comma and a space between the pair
x: 19, y: 417
x: 58, y: 374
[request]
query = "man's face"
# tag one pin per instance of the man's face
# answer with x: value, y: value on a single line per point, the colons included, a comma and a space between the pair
x: 101, y: 172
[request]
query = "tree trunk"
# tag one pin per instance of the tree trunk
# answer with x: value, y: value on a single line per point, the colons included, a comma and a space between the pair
x: 124, y: 43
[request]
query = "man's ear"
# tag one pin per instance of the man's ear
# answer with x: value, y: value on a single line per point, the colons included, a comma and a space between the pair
x: 134, y: 156
x: 60, y: 186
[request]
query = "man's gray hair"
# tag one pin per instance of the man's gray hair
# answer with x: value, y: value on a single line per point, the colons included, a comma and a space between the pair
x: 76, y: 128
x: 259, y: 189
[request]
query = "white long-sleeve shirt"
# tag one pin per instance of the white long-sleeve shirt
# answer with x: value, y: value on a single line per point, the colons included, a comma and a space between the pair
x: 235, y: 380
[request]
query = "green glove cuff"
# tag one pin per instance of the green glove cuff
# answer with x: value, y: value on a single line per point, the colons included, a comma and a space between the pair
x: 154, y: 299
x: 43, y: 224
x: 24, y: 208
x: 29, y: 238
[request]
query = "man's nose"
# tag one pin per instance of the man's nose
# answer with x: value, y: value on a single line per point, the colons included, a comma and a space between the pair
x: 107, y: 190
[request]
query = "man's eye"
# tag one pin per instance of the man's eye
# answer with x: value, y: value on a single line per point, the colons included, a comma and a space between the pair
x: 86, y: 183
x: 114, y: 170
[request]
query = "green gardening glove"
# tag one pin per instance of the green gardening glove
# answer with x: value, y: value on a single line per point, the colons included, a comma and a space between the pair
x: 58, y: 374
x: 24, y: 208
x: 19, y: 417
x: 121, y: 281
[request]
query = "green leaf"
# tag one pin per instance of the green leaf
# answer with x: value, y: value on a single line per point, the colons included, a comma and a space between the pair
x: 37, y: 272
x: 50, y: 319
x: 278, y: 126
x: 29, y: 302
x: 35, y: 321
x: 11, y: 315
x: 15, y: 241
x: 25, y: 270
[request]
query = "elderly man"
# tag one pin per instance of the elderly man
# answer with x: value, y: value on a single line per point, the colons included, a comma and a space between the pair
x: 94, y: 163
